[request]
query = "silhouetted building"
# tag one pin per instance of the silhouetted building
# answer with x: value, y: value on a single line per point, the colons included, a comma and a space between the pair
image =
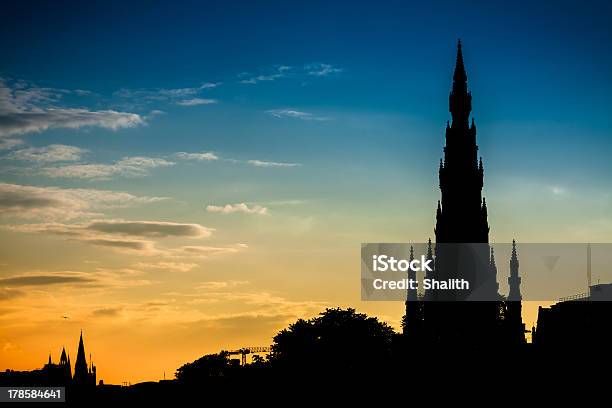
x: 582, y: 320
x: 84, y: 375
x: 476, y: 316
x: 52, y: 374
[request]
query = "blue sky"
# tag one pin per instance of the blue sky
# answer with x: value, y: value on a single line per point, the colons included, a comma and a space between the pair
x: 346, y: 98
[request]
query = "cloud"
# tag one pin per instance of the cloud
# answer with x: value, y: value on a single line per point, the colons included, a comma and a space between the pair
x: 167, y: 266
x: 202, y: 156
x: 196, y: 101
x: 216, y: 285
x: 98, y: 278
x: 107, y: 312
x: 48, y: 154
x: 282, y: 71
x: 10, y: 293
x: 322, y: 69
x: 126, y: 167
x: 240, y: 207
x: 271, y: 75
x: 200, y: 251
x: 45, y: 279
x: 167, y: 95
x: 54, y: 203
x: 26, y: 122
x: 122, y: 244
x: 93, y: 229
x: 155, y: 229
x: 295, y: 114
x: 122, y: 236
x: 7, y: 144
x: 25, y: 108
x: 260, y: 163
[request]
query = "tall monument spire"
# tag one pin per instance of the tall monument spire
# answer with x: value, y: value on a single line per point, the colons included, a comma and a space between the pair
x: 460, y: 99
x: 461, y: 214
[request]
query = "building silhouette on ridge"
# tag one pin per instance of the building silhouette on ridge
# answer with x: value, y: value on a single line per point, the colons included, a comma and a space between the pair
x: 60, y: 374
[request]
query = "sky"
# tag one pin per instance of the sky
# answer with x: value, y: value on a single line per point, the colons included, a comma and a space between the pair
x: 178, y: 178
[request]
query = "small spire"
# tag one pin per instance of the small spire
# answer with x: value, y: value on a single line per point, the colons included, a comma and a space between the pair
x: 473, y: 124
x: 492, y: 259
x: 411, y: 252
x: 459, y: 74
x: 441, y: 164
x: 439, y: 211
x: 480, y: 163
x: 514, y: 255
x: 429, y: 250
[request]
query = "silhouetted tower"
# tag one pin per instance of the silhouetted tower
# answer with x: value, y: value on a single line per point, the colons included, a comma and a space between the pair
x: 65, y: 364
x: 462, y: 212
x: 462, y: 234
x: 81, y: 376
x: 513, y: 318
x: 514, y: 280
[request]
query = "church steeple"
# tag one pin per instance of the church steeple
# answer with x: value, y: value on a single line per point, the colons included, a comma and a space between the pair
x: 80, y: 367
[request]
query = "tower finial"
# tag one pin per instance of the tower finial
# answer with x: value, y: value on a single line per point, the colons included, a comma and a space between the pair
x: 459, y: 74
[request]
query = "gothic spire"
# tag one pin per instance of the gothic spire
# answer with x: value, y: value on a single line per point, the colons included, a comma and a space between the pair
x: 460, y: 100
x: 80, y: 367
x: 459, y: 75
x: 514, y: 280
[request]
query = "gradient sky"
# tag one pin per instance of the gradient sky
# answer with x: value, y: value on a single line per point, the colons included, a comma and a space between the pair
x: 178, y: 178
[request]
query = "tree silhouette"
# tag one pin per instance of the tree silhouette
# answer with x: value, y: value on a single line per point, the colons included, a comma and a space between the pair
x: 337, y: 340
x: 210, y: 365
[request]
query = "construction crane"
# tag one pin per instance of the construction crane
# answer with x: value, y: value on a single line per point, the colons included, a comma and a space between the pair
x: 244, y: 351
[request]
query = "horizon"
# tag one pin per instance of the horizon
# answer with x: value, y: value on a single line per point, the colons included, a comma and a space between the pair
x: 202, y: 176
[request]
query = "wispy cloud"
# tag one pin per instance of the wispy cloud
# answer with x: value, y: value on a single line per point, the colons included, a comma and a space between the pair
x: 272, y: 75
x: 93, y: 229
x: 284, y: 71
x: 167, y: 266
x: 54, y: 203
x: 196, y: 102
x: 234, y: 208
x: 295, y: 114
x: 210, y: 156
x: 204, y: 251
x: 201, y: 156
x: 25, y: 108
x: 320, y: 69
x: 261, y: 163
x: 102, y: 278
x: 136, y: 166
x: 48, y: 154
x: 150, y: 228
x: 178, y: 96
